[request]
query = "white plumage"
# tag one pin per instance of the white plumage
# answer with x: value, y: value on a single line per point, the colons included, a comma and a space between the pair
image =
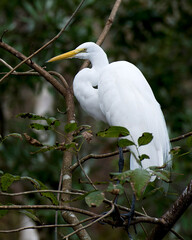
x: 123, y: 98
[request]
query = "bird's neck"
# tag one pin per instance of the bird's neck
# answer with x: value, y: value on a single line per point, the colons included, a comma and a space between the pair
x: 99, y: 60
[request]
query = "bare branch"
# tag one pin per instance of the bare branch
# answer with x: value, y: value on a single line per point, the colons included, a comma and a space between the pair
x: 173, y: 214
x: 47, y: 226
x: 45, y: 45
x: 90, y: 224
x: 181, y: 137
x: 50, y: 207
x: 5, y: 63
x: 36, y: 67
x: 177, y: 235
x: 96, y: 156
x: 37, y: 191
x: 106, y: 29
x: 88, y: 178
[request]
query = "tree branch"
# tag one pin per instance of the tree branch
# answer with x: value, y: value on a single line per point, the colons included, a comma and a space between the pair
x: 36, y: 67
x: 106, y: 29
x: 90, y: 224
x: 96, y: 156
x: 47, y: 226
x: 173, y: 214
x: 181, y: 137
x: 45, y: 45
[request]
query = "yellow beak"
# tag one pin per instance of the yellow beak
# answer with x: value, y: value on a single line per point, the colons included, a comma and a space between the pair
x: 66, y: 55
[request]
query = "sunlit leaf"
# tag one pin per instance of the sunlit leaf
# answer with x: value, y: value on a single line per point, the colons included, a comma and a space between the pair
x: 146, y: 138
x: 114, y: 131
x: 94, y: 199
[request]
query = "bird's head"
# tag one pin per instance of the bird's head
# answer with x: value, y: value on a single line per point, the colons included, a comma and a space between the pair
x: 83, y: 51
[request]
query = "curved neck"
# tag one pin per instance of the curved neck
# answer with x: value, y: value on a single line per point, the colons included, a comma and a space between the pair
x: 99, y: 60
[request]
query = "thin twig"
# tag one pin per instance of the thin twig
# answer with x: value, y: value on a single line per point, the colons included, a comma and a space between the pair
x: 37, y: 191
x: 90, y: 224
x: 106, y: 29
x: 50, y: 207
x: 60, y: 88
x: 88, y: 178
x: 177, y: 234
x: 96, y: 156
x: 48, y: 43
x: 181, y: 137
x: 6, y: 64
x: 47, y: 226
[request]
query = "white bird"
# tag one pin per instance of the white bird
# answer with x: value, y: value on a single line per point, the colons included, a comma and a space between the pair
x: 124, y: 98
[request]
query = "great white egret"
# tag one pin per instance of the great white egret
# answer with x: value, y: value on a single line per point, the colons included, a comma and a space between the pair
x: 124, y: 98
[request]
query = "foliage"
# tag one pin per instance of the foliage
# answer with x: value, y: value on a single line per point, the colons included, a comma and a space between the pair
x: 154, y: 35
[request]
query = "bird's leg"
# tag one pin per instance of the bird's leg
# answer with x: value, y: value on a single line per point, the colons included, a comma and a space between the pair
x: 121, y: 166
x: 121, y: 160
x: 128, y: 216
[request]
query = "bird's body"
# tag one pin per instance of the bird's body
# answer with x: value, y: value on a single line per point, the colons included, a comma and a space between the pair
x: 124, y: 98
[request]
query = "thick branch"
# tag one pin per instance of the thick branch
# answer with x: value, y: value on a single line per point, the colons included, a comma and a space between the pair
x: 173, y: 214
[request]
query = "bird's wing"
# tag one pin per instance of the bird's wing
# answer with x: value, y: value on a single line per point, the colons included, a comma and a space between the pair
x: 86, y: 94
x: 127, y: 100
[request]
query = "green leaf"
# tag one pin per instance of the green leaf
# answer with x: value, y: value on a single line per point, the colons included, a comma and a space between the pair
x: 16, y: 135
x: 70, y: 127
x: 145, y: 138
x: 162, y: 174
x: 124, y: 176
x: 125, y: 143
x: 115, y: 189
x: 94, y: 199
x: 52, y: 121
x: 139, y: 179
x: 45, y: 149
x: 114, y: 131
x: 39, y: 126
x: 41, y: 186
x: 143, y: 156
x: 7, y: 179
x: 31, y: 116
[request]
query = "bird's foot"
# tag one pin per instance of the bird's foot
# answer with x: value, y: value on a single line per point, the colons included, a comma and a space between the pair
x: 124, y: 219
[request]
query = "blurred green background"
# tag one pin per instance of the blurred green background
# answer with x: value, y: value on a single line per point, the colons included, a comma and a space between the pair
x: 155, y: 35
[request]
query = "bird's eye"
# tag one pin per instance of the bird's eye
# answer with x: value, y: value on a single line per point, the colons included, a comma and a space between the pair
x: 84, y: 50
